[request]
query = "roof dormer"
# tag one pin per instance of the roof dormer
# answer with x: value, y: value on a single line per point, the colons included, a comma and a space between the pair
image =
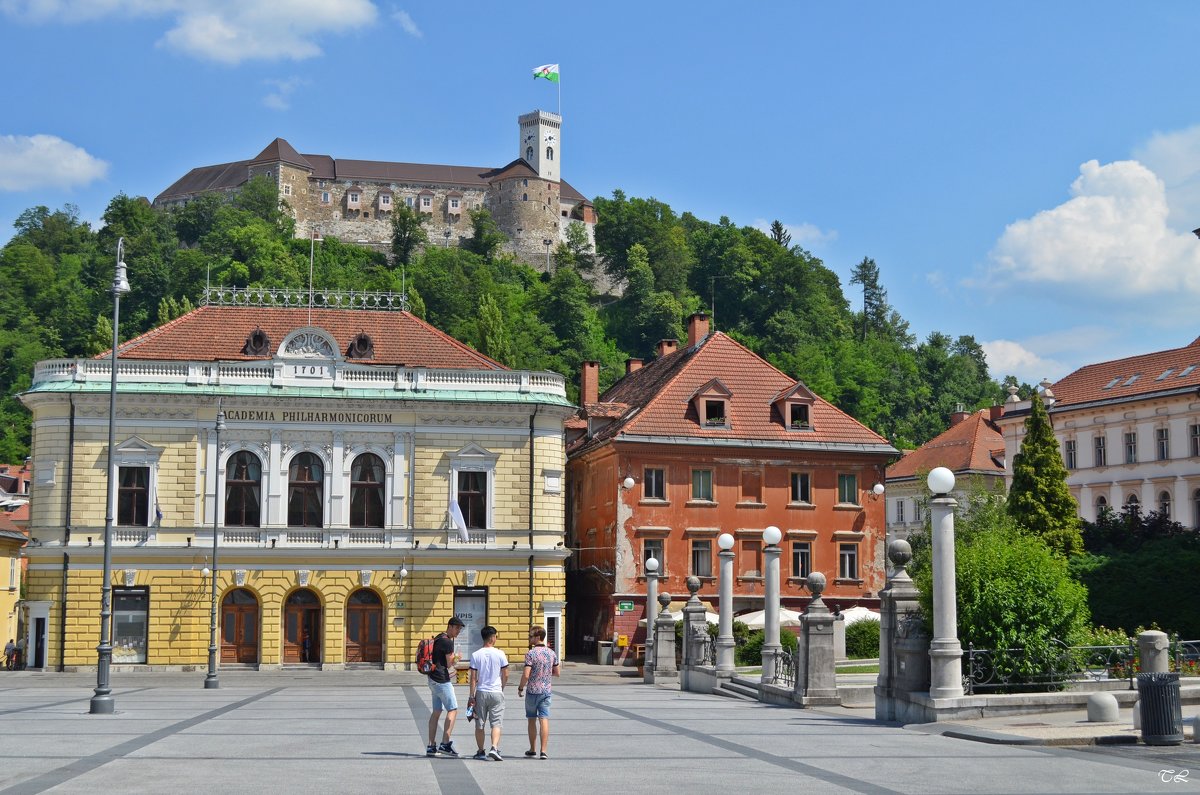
x: 711, y: 402
x: 795, y: 406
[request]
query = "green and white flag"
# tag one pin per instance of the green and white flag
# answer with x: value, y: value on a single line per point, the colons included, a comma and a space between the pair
x: 548, y: 71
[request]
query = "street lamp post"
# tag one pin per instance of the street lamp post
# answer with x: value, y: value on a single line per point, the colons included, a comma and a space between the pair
x: 211, y: 682
x: 945, y: 650
x: 446, y: 235
x: 547, y: 242
x: 102, y: 702
x: 651, y: 614
x: 725, y: 629
x: 771, y: 648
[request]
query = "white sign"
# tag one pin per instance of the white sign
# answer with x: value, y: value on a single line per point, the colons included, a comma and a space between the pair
x: 472, y: 609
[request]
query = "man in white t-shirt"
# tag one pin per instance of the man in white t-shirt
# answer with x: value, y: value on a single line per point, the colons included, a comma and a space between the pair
x: 489, y: 675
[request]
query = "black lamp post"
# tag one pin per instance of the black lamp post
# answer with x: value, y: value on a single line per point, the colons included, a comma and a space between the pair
x: 211, y: 682
x: 547, y: 242
x: 102, y: 702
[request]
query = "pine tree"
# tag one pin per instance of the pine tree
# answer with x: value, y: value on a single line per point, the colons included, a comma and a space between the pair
x: 1039, y: 500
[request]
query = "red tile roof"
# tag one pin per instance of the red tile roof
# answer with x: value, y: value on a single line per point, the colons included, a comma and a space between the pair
x: 1177, y: 369
x: 659, y: 399
x: 970, y: 445
x: 218, y: 333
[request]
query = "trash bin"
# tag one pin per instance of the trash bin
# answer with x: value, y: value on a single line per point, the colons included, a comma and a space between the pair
x: 604, y: 651
x: 1162, y: 710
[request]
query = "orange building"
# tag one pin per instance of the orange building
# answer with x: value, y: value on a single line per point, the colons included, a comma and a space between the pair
x: 706, y: 440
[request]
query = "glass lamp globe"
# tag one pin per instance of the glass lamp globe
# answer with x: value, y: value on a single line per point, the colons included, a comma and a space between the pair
x: 940, y: 480
x: 403, y: 572
x: 725, y: 541
x: 877, y: 489
x: 651, y: 565
x: 205, y: 572
x: 772, y: 535
x: 627, y: 483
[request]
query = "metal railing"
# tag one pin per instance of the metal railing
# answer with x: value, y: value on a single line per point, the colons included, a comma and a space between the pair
x: 1186, y: 657
x: 1052, y: 667
x: 785, y: 669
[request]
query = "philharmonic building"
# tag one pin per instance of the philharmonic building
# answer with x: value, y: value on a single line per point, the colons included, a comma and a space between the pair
x: 320, y: 451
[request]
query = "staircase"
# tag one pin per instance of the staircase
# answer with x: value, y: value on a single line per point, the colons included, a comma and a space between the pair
x: 739, y: 688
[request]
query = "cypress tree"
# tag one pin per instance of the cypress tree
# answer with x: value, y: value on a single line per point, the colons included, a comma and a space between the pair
x: 1039, y: 500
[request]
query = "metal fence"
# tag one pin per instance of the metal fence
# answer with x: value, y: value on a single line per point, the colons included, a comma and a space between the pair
x: 1054, y: 666
x: 785, y: 669
x: 1186, y: 656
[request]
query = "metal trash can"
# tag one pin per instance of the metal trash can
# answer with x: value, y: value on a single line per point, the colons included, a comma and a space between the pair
x: 1162, y: 710
x: 604, y: 652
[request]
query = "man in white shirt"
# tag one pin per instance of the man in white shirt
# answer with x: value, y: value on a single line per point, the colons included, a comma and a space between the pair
x: 489, y: 675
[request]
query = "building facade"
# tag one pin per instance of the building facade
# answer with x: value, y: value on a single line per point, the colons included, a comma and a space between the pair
x: 705, y: 440
x: 972, y: 448
x: 353, y: 200
x: 11, y: 541
x: 347, y: 436
x: 1129, y: 432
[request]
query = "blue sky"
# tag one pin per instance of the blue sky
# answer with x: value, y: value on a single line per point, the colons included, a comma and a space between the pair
x: 1024, y: 173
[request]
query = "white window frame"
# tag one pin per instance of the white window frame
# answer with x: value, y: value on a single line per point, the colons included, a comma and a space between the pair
x: 136, y: 452
x: 900, y: 511
x: 385, y: 200
x: 1163, y: 443
x: 1130, y: 440
x: 841, y: 495
x: 800, y: 498
x: 1099, y: 451
x: 801, y: 549
x: 1070, y: 454
x: 711, y: 493
x: 848, y: 561
x: 701, y: 545
x: 474, y: 458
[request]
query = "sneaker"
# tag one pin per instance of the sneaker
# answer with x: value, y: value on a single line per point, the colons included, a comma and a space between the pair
x: 447, y: 749
x: 545, y: 755
x: 531, y: 753
x: 480, y: 754
x: 494, y: 755
x: 431, y: 750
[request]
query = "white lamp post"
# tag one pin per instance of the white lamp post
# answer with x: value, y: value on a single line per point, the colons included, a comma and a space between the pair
x: 771, y: 647
x: 725, y: 628
x: 102, y: 702
x: 945, y: 651
x: 651, y: 611
x: 211, y: 681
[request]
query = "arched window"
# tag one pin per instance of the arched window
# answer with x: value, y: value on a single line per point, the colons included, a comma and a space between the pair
x: 306, y: 479
x: 366, y: 491
x: 243, y: 490
x: 1131, y: 502
x: 524, y: 197
x: 1101, y: 506
x: 549, y: 152
x: 529, y: 153
x: 1164, y: 504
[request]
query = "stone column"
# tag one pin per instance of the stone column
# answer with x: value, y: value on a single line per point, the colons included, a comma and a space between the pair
x: 899, y: 607
x: 725, y: 630
x: 771, y: 646
x: 945, y: 652
x: 695, y: 630
x: 664, y: 641
x: 651, y: 610
x: 816, y: 677
x: 1155, y: 650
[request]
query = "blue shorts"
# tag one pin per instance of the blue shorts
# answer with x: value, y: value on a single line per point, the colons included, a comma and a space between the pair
x: 443, y: 696
x: 537, y: 705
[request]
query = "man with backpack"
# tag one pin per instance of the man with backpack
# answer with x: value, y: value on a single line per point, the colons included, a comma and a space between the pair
x: 441, y: 688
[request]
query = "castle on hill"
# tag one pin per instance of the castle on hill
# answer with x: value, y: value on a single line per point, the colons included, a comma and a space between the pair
x: 353, y: 200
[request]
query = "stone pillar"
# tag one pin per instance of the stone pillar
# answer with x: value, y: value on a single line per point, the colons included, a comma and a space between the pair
x: 899, y: 611
x: 771, y: 646
x: 664, y: 641
x: 695, y: 630
x: 651, y: 610
x: 725, y: 630
x: 816, y: 678
x: 945, y: 652
x: 1155, y: 650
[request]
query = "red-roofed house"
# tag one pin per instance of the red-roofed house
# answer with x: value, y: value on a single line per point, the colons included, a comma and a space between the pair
x: 1129, y: 431
x: 706, y: 440
x: 972, y: 448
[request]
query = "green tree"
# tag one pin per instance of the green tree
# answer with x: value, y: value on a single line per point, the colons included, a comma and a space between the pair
x: 875, y: 306
x: 486, y: 237
x: 780, y: 234
x: 408, y: 233
x: 1039, y: 500
x: 493, y: 338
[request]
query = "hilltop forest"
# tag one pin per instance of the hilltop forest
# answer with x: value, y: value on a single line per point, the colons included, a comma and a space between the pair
x: 850, y: 346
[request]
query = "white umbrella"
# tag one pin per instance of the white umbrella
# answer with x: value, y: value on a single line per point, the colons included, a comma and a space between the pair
x: 677, y: 615
x: 758, y: 618
x: 859, y: 613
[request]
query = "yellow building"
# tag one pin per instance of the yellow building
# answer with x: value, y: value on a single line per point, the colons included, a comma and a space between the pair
x: 346, y: 437
x: 11, y: 541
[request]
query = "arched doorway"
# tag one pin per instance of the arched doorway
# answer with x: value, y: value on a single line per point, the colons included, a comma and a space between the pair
x: 364, y: 627
x: 239, y: 627
x: 302, y: 628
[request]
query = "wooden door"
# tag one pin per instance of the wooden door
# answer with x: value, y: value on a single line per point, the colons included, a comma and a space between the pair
x: 302, y: 628
x: 364, y: 627
x: 239, y: 627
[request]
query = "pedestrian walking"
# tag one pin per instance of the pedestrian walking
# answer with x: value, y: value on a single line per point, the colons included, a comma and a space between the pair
x: 441, y: 688
x: 10, y: 652
x: 489, y: 675
x: 541, y: 663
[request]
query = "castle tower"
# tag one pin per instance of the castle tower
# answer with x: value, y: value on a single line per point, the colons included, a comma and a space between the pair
x: 541, y: 143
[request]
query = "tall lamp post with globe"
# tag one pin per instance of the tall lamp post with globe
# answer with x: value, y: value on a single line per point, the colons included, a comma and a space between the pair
x: 211, y: 681
x: 945, y: 651
x: 725, y: 641
x: 771, y: 646
x: 651, y: 614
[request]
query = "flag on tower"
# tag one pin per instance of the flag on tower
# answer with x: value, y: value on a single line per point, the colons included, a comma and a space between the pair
x: 547, y: 71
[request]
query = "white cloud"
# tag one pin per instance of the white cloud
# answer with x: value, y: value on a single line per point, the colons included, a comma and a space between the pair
x: 40, y: 161
x: 280, y: 98
x: 1006, y: 357
x: 407, y: 24
x: 226, y: 31
x: 1111, y: 238
x: 805, y: 235
x: 1175, y: 158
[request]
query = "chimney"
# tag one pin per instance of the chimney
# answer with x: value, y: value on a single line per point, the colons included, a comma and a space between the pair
x: 589, y: 383
x: 995, y: 413
x: 697, y: 329
x: 958, y: 415
x: 667, y: 346
x: 632, y: 364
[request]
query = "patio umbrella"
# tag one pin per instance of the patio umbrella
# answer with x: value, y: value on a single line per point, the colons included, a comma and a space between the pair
x: 859, y: 613
x: 757, y: 619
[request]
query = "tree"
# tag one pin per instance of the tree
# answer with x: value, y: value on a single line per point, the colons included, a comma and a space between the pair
x: 408, y: 233
x: 1039, y: 500
x: 493, y: 338
x: 486, y: 237
x: 875, y: 308
x: 780, y: 234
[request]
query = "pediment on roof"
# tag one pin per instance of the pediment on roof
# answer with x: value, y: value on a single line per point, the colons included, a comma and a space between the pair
x: 137, y: 446
x: 796, y: 392
x: 309, y: 343
x: 473, y: 454
x: 713, y: 388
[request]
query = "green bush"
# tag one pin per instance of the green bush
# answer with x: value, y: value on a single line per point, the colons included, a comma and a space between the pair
x: 1154, y: 584
x: 750, y: 653
x: 862, y: 639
